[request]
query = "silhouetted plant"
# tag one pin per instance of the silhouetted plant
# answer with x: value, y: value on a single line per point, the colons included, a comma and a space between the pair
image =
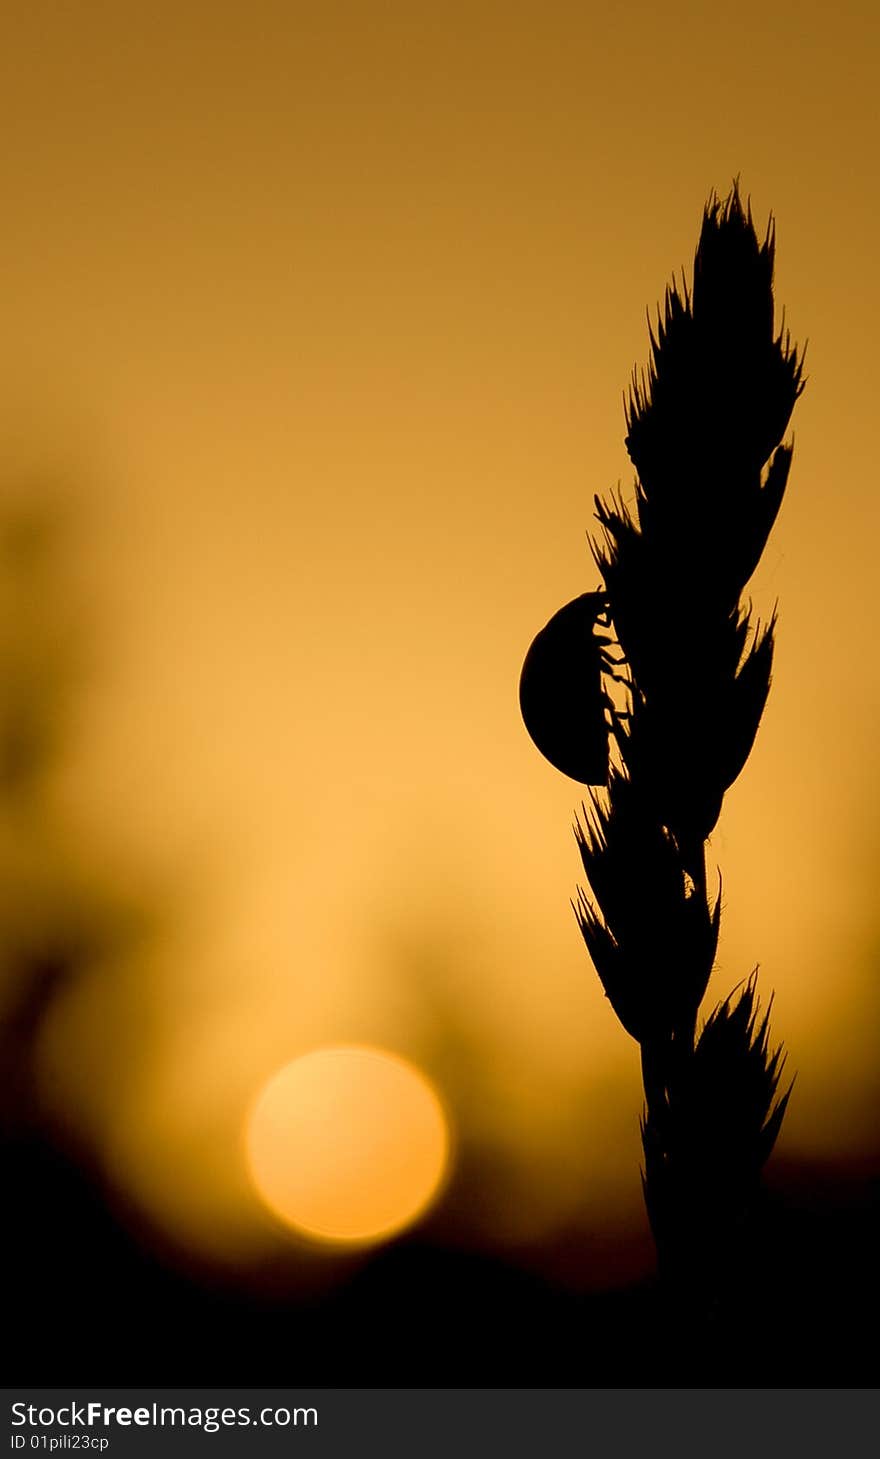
x: 705, y: 424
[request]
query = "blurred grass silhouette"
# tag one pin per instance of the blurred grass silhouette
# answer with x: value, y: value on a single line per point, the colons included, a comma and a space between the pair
x: 59, y: 915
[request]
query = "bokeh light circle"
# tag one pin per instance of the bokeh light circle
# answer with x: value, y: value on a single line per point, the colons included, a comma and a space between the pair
x: 347, y: 1144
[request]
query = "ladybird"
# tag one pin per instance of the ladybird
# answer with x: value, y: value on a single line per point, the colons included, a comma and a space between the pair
x: 564, y: 704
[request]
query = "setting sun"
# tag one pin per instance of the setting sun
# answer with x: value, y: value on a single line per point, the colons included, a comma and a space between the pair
x: 347, y: 1144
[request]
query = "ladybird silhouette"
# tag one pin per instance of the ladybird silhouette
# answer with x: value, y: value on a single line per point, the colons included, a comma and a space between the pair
x: 562, y: 698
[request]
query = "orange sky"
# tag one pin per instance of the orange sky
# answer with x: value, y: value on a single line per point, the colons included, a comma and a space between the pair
x: 322, y: 316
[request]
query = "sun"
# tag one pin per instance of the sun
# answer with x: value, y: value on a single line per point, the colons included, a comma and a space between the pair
x: 347, y: 1144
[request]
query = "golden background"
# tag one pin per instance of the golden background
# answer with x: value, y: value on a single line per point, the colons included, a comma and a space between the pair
x: 316, y: 325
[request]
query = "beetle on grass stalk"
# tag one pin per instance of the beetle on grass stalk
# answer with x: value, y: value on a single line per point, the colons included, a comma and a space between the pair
x: 704, y: 431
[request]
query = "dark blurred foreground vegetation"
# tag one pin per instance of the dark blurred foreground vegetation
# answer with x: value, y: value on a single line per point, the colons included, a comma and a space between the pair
x: 87, y: 1303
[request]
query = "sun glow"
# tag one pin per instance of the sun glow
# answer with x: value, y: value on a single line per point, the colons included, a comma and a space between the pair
x: 348, y: 1144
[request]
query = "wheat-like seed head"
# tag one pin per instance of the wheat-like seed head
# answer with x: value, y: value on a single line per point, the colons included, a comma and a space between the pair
x: 705, y: 423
